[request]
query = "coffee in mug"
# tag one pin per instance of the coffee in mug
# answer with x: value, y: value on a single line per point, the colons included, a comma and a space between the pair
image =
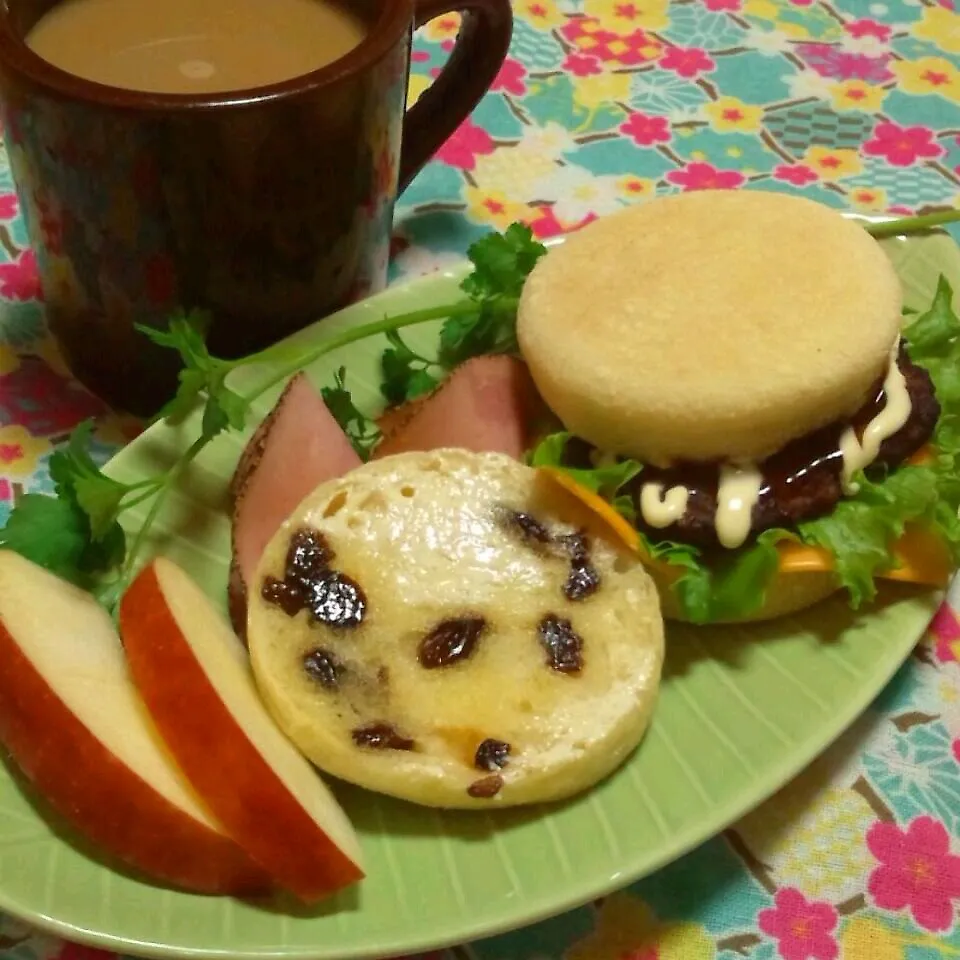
x: 194, y: 46
x: 266, y: 201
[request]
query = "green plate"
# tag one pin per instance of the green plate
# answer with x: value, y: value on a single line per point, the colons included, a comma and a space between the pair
x: 742, y: 710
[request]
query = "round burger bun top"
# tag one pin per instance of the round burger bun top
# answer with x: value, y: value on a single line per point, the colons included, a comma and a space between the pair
x: 707, y: 325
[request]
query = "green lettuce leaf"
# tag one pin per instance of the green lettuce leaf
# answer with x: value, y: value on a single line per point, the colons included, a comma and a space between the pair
x: 605, y: 481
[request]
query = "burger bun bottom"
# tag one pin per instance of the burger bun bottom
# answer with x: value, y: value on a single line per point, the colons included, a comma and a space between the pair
x: 787, y: 593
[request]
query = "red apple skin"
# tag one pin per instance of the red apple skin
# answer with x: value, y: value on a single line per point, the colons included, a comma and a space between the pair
x: 225, y: 769
x: 102, y: 798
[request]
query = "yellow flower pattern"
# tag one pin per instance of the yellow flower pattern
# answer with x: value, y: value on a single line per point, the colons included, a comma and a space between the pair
x: 494, y: 207
x: 941, y: 27
x: 442, y: 28
x: 929, y: 75
x: 514, y: 173
x: 627, y: 928
x: 864, y: 938
x: 20, y: 451
x: 869, y: 199
x: 636, y: 188
x: 857, y: 95
x: 600, y: 88
x: 418, y: 83
x: 543, y: 14
x: 728, y: 114
x: 625, y: 16
x: 833, y: 163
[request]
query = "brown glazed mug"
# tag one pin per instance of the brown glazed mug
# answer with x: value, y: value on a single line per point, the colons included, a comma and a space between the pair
x: 269, y: 207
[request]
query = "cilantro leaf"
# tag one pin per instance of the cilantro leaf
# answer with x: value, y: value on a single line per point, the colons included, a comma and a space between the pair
x: 78, y: 478
x: 502, y: 263
x: 99, y: 497
x: 360, y: 429
x: 493, y: 329
x: 75, y: 533
x: 50, y: 531
x: 421, y: 382
x: 406, y: 375
x: 483, y: 324
x: 104, y: 554
x: 201, y: 374
x: 185, y: 333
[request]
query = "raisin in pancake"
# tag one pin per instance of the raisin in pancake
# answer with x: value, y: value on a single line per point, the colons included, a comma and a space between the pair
x: 449, y: 628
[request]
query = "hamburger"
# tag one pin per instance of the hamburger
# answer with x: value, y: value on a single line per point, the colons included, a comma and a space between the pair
x: 734, y: 373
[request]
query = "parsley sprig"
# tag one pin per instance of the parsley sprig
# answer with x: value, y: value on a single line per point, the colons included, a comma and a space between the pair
x: 76, y: 533
x: 487, y: 324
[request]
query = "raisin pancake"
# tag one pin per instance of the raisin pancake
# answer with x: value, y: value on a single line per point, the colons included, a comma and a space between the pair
x: 453, y: 629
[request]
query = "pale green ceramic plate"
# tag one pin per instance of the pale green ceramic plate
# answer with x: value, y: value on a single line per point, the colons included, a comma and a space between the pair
x: 742, y: 710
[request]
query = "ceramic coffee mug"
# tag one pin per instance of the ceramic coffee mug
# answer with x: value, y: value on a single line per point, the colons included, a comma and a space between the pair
x: 269, y: 207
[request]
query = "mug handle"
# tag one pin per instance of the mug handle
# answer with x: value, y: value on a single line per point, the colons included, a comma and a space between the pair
x: 476, y: 58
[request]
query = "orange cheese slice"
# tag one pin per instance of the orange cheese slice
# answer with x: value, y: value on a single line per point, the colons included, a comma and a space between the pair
x: 920, y: 556
x: 621, y: 527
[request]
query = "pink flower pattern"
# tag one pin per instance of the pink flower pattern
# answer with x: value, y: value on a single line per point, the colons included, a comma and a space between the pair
x: 802, y: 928
x: 868, y: 28
x: 511, y: 78
x: 723, y: 6
x: 902, y: 146
x: 916, y: 871
x: 688, y: 62
x: 9, y: 206
x: 19, y: 279
x: 836, y: 63
x: 462, y: 148
x: 582, y: 66
x: 45, y: 403
x: 705, y: 176
x: 798, y: 174
x: 945, y: 627
x: 646, y: 131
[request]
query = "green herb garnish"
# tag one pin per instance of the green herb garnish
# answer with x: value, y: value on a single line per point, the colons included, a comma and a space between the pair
x: 359, y: 428
x: 76, y: 533
x: 486, y: 322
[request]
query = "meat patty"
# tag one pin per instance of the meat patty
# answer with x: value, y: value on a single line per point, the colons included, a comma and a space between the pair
x: 802, y: 481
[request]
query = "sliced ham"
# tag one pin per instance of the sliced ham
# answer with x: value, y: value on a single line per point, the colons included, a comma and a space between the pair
x: 488, y: 404
x: 297, y: 447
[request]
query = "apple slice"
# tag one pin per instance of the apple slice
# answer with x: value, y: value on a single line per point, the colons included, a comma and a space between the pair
x: 196, y: 681
x: 71, y: 719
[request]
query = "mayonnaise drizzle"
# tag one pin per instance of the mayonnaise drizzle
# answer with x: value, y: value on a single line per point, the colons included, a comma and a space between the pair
x: 737, y: 492
x: 858, y: 454
x: 661, y: 508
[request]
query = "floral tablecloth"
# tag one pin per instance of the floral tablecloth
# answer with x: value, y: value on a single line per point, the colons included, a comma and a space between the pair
x: 602, y: 103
